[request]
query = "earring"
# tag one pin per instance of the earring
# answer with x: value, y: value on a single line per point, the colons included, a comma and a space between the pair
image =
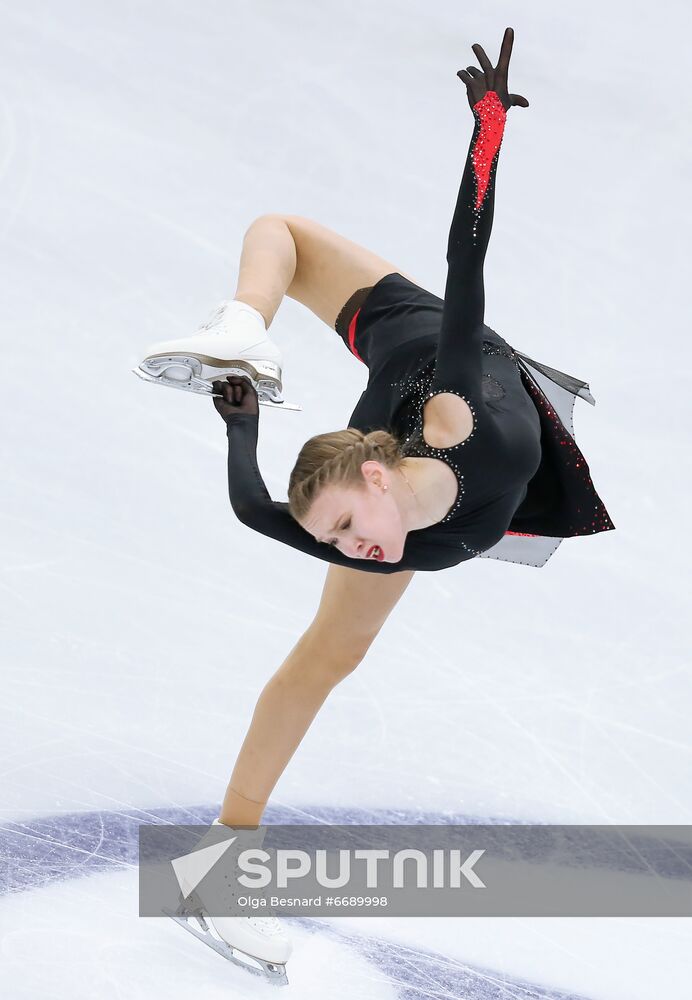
x: 385, y: 488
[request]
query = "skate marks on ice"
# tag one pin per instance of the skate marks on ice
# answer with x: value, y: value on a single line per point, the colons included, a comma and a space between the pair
x: 37, y: 852
x: 43, y: 852
x: 83, y: 939
x: 419, y: 973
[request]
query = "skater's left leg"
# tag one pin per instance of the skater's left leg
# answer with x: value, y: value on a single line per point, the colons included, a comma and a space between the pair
x: 352, y: 610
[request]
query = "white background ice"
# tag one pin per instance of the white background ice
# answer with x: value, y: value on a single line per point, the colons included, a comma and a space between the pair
x: 140, y: 619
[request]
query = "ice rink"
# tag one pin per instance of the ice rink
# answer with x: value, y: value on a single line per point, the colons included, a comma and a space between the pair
x: 140, y: 619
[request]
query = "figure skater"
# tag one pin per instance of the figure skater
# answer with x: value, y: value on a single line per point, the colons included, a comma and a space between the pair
x: 460, y: 446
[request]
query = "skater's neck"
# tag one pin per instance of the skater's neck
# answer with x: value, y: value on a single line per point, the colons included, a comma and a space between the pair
x: 426, y: 490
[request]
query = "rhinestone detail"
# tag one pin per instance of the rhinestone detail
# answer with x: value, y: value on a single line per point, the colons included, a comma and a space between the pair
x: 490, y: 348
x: 490, y: 115
x: 416, y: 443
x: 438, y: 392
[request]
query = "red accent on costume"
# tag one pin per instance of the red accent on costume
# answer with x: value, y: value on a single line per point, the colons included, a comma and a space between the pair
x: 491, y: 114
x: 352, y: 336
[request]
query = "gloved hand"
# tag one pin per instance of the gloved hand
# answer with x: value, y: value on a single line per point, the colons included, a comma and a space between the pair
x: 236, y: 395
x: 478, y: 84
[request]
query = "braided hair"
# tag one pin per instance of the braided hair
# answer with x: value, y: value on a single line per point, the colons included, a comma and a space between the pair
x: 336, y: 458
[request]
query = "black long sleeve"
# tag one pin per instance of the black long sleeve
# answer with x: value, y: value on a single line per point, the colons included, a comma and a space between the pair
x: 254, y: 507
x: 459, y: 352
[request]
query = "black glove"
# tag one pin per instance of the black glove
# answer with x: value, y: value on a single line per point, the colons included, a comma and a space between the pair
x: 478, y: 84
x: 236, y: 395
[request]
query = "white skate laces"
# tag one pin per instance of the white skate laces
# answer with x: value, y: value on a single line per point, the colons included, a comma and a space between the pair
x: 259, y: 938
x: 221, y: 319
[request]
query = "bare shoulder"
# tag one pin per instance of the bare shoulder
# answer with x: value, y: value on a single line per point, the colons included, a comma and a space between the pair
x: 447, y: 420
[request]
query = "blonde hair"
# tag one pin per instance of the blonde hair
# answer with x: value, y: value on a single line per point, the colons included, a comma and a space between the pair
x: 335, y: 458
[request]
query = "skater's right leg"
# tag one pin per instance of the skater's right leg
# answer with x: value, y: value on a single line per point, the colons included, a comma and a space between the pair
x: 281, y: 255
x: 267, y: 265
x: 299, y: 257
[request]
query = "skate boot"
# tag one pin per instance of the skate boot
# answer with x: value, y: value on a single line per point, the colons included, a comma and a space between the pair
x: 233, y: 341
x: 259, y: 938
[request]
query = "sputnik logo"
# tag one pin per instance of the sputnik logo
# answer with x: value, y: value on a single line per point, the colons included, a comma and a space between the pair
x: 190, y: 869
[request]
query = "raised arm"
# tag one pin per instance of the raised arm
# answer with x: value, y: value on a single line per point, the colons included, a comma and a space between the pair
x: 459, y: 349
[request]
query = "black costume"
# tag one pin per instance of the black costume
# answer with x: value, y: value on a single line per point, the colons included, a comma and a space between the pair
x: 524, y: 485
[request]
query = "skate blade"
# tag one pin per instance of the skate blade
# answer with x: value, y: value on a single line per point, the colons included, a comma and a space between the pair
x: 272, y: 972
x: 204, y: 388
x: 195, y: 368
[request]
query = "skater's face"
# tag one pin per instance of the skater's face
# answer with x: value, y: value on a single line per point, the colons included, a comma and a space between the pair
x: 355, y: 520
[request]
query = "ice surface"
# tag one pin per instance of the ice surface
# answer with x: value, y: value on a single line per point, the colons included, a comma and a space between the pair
x: 139, y: 618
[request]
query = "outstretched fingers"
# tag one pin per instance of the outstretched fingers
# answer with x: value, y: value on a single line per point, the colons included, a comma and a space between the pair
x: 480, y: 81
x: 483, y: 59
x: 505, y: 53
x: 496, y: 78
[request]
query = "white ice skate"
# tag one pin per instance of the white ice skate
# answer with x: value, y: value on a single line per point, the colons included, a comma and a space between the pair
x: 233, y: 341
x: 260, y: 939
